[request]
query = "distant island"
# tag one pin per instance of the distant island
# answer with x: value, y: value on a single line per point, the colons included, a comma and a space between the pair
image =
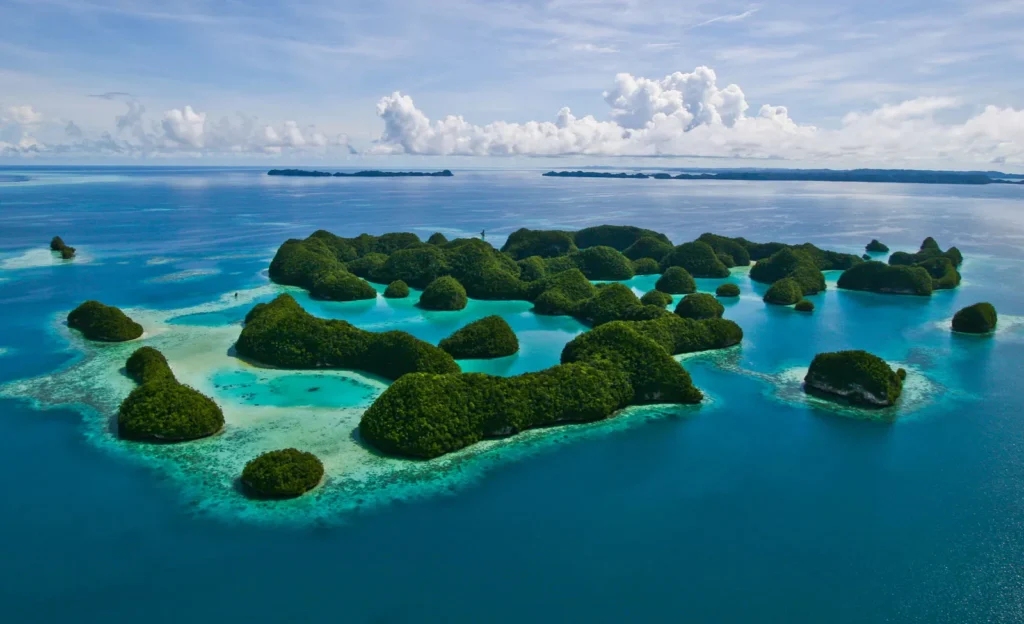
x: 899, y: 176
x: 305, y: 173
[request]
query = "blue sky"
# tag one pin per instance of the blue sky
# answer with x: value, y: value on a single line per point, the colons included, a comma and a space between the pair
x: 878, y: 83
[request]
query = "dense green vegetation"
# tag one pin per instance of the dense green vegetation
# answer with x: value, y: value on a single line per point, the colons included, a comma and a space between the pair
x: 856, y: 376
x: 524, y: 243
x: 281, y: 333
x: 66, y: 252
x: 648, y: 247
x: 560, y: 293
x: 980, y: 318
x: 929, y: 249
x: 786, y: 291
x: 876, y: 247
x: 882, y: 278
x: 700, y: 306
x: 161, y: 409
x: 944, y: 275
x: 619, y: 237
x: 604, y: 263
x: 676, y: 281
x: 489, y: 337
x: 318, y: 265
x: 366, y: 266
x: 727, y: 247
x: 728, y: 290
x: 698, y: 258
x: 103, y: 323
x: 793, y: 263
x: 531, y: 269
x: 646, y: 266
x: 341, y: 286
x: 444, y: 293
x: 657, y: 298
x: 424, y: 415
x: 282, y: 474
x: 437, y: 238
x: 804, y: 306
x: 396, y: 290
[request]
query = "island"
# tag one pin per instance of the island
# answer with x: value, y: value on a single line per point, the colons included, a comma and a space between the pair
x: 698, y: 258
x: 876, y: 247
x: 103, y: 323
x: 676, y: 281
x: 396, y: 290
x: 281, y: 333
x: 287, y: 473
x: 727, y: 290
x: 879, y: 277
x: 656, y: 298
x: 161, y: 409
x: 57, y: 244
x: 856, y: 377
x: 894, y: 176
x: 489, y: 337
x: 305, y: 173
x: 786, y: 291
x: 804, y: 306
x: 980, y: 318
x: 700, y: 306
x: 444, y: 293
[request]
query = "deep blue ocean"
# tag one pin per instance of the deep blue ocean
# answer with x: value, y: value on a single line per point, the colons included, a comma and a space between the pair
x: 759, y: 506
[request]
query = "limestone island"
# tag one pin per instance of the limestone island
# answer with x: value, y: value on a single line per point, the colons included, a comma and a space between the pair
x: 700, y: 306
x: 876, y: 247
x: 856, y: 377
x: 676, y: 281
x: 980, y: 318
x: 804, y: 306
x: 656, y: 298
x: 161, y: 409
x: 489, y: 337
x: 444, y: 293
x: 728, y: 290
x: 287, y: 473
x: 304, y: 173
x: 66, y: 252
x: 397, y: 290
x: 103, y: 323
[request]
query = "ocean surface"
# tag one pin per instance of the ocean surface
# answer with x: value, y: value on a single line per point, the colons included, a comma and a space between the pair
x: 758, y: 506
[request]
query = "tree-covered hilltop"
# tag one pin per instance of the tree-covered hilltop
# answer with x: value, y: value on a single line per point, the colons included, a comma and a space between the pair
x: 281, y: 333
x: 103, y: 323
x: 793, y: 264
x: 728, y: 290
x: 876, y: 247
x: 676, y: 281
x: 161, y: 409
x: 286, y: 473
x: 786, y: 291
x: 489, y: 337
x: 445, y: 294
x: 700, y: 306
x: 882, y: 278
x: 396, y: 290
x: 980, y: 318
x: 656, y: 298
x: 603, y: 370
x: 941, y: 265
x: 698, y: 258
x: 857, y: 377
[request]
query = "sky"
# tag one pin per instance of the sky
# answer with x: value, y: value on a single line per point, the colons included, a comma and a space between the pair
x: 511, y: 84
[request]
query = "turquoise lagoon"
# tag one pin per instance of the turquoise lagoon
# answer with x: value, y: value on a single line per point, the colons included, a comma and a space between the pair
x: 759, y: 505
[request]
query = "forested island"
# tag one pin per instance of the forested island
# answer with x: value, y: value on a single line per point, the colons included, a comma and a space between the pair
x: 306, y: 173
x: 898, y: 176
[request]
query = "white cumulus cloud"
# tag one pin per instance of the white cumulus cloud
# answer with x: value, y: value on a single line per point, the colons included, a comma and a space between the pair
x: 690, y: 115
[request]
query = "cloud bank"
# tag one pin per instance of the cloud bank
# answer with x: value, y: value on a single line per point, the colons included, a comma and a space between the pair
x: 689, y: 115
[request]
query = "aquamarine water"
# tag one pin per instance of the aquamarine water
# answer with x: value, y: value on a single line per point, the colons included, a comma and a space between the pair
x: 758, y: 506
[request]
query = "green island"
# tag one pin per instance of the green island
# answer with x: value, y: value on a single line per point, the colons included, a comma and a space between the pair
x: 676, y: 281
x: 281, y: 333
x: 980, y: 318
x: 445, y: 293
x: 397, y: 290
x: 161, y: 409
x: 875, y: 246
x: 286, y: 473
x: 489, y: 337
x: 656, y: 298
x: 883, y: 278
x: 728, y: 290
x: 804, y: 306
x: 786, y: 291
x: 941, y: 265
x: 700, y: 306
x: 103, y: 323
x: 856, y: 377
x: 66, y: 252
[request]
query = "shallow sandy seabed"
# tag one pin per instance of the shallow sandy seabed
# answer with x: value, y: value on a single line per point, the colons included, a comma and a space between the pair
x: 207, y: 470
x: 43, y: 257
x: 181, y: 276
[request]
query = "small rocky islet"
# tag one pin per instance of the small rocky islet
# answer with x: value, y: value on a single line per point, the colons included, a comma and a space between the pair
x: 626, y: 358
